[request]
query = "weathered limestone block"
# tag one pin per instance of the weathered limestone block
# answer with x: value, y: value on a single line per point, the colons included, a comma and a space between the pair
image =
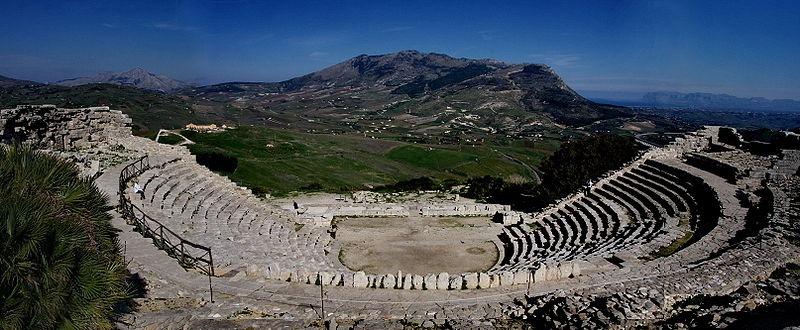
x: 506, y: 278
x: 540, y: 275
x: 564, y: 270
x: 456, y: 282
x: 408, y: 281
x: 430, y: 282
x: 471, y: 281
x: 495, y: 281
x: 388, y: 282
x: 372, y: 280
x: 285, y: 275
x: 305, y: 277
x: 272, y: 272
x: 552, y: 273
x: 521, y: 277
x: 360, y: 280
x: 442, y: 281
x: 484, y: 281
x: 337, y: 279
x: 417, y: 282
x: 253, y: 270
x: 576, y: 269
x: 347, y: 280
x: 324, y: 278
x: 399, y: 279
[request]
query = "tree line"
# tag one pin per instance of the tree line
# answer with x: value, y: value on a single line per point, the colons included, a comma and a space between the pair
x: 568, y: 169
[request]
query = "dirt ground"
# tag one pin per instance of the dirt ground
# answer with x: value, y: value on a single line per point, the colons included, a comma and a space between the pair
x: 417, y: 245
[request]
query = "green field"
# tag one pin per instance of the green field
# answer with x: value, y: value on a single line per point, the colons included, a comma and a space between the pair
x: 279, y: 162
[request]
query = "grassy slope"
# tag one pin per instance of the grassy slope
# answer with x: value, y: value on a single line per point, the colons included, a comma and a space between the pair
x: 298, y: 161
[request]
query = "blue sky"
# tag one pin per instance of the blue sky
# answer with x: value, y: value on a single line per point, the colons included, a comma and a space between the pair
x: 601, y: 48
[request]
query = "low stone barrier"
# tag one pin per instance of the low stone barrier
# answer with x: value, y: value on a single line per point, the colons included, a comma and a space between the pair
x: 436, y: 281
x: 455, y: 209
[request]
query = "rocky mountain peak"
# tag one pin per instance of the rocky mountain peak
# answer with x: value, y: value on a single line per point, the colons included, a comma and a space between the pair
x: 136, y: 77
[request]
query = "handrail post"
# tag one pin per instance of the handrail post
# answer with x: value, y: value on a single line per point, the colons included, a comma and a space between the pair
x: 211, y: 261
x: 210, y: 288
x: 322, y: 299
x: 183, y: 253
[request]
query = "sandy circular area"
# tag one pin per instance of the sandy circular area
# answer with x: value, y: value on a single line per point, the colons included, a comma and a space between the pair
x: 417, y: 245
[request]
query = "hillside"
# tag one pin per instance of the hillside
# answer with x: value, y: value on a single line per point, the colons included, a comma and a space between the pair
x: 422, y: 92
x: 717, y: 102
x: 149, y: 111
x: 137, y: 77
x: 281, y: 161
x: 6, y: 82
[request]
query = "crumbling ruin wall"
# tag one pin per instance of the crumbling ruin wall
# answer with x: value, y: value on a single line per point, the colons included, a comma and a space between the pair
x: 49, y: 127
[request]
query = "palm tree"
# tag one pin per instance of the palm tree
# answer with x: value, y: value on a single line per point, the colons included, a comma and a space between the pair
x: 60, y: 265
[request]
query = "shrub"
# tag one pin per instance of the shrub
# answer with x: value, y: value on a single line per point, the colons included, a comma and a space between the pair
x: 484, y: 187
x: 416, y: 184
x: 216, y: 160
x: 565, y: 171
x: 60, y: 265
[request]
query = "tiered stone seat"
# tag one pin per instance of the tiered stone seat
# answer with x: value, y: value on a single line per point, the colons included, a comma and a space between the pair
x: 210, y: 210
x: 636, y: 210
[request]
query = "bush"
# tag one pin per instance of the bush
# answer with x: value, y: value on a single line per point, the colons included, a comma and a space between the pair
x: 485, y: 187
x: 416, y: 184
x: 565, y: 171
x: 60, y: 265
x: 216, y: 161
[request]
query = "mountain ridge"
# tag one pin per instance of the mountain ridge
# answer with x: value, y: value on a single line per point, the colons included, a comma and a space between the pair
x: 428, y: 77
x: 717, y: 101
x: 6, y: 82
x: 136, y: 77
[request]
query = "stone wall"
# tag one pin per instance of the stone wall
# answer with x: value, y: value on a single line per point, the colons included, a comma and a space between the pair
x: 462, y: 209
x: 553, y: 271
x: 49, y: 127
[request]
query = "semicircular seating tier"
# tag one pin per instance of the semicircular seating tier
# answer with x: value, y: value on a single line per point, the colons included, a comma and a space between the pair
x: 243, y: 231
x: 627, y: 217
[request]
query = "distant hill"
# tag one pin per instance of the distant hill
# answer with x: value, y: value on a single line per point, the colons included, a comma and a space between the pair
x: 717, y: 102
x: 137, y: 77
x: 149, y: 110
x: 11, y: 82
x: 431, y: 82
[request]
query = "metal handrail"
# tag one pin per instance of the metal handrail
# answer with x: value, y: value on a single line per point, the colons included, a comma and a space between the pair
x: 186, y: 252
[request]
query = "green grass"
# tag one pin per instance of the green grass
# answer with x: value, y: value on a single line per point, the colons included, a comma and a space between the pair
x: 279, y: 161
x: 170, y: 139
x: 434, y: 159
